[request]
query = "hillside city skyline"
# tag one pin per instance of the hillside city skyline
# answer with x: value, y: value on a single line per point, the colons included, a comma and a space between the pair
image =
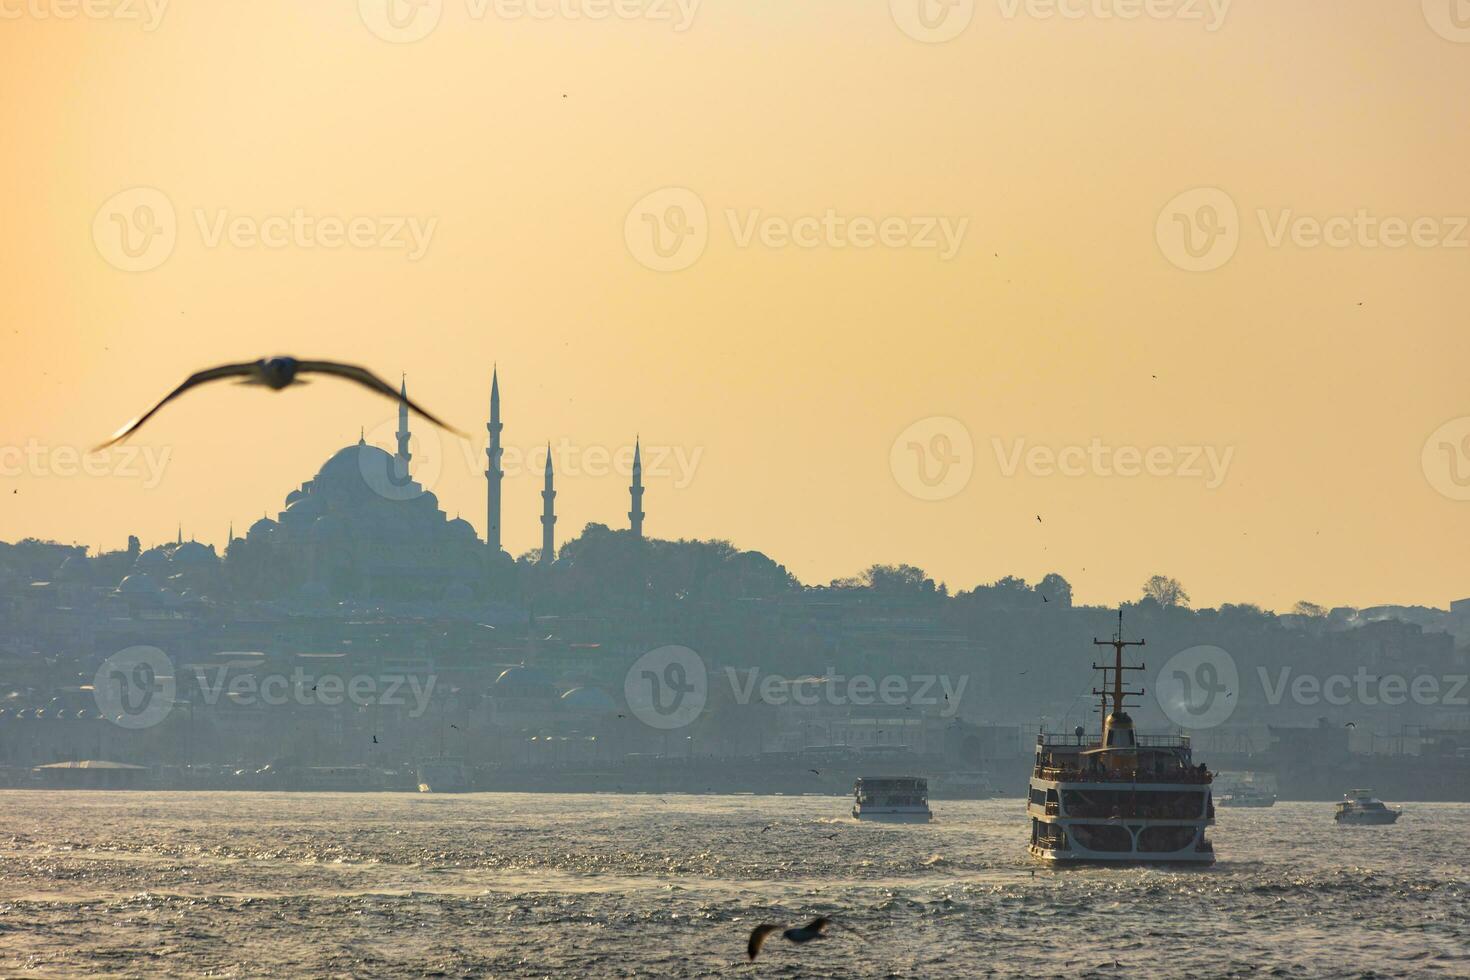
x: 401, y: 478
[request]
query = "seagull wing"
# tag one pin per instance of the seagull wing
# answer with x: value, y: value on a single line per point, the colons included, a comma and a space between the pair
x: 372, y: 382
x: 758, y: 938
x: 244, y: 369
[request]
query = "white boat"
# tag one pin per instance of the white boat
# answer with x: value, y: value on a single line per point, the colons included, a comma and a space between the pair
x: 443, y: 775
x: 1362, y: 807
x: 1246, y: 795
x: 1119, y: 797
x: 895, y: 799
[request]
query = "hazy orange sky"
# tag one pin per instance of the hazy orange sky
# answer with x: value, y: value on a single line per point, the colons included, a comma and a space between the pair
x: 520, y: 147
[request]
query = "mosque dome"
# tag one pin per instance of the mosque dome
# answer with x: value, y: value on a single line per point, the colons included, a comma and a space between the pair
x: 193, y: 553
x: 461, y: 526
x: 138, y: 584
x: 304, y: 508
x: 360, y: 471
x: 294, y: 496
x: 263, y: 526
x: 152, y: 558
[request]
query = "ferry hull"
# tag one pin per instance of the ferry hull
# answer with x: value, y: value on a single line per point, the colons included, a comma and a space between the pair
x: 893, y: 816
x: 1078, y: 857
x: 1142, y: 835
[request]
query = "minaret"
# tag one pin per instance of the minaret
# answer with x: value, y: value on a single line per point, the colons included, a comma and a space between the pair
x: 402, y: 456
x: 635, y: 516
x: 493, y: 472
x: 548, y: 514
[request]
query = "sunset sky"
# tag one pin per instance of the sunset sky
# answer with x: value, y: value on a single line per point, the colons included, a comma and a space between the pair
x: 497, y: 174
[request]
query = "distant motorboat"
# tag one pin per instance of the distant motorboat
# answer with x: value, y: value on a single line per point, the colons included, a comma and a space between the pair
x: 443, y: 776
x: 894, y: 799
x: 1362, y: 807
x: 1247, y: 796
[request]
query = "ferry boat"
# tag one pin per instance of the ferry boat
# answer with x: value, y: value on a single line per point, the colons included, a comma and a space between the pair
x: 1121, y: 797
x: 895, y: 799
x: 1362, y: 807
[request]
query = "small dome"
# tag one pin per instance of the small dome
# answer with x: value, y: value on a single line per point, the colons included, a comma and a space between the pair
x: 152, y: 558
x: 193, y: 553
x: 304, y: 509
x: 263, y: 526
x: 294, y: 496
x: 138, y: 583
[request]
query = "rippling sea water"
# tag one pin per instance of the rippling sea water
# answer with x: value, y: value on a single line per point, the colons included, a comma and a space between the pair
x: 250, y: 884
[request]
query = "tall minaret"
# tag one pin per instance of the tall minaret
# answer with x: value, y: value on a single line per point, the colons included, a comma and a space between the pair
x: 548, y: 514
x: 635, y: 516
x: 402, y: 455
x: 493, y: 472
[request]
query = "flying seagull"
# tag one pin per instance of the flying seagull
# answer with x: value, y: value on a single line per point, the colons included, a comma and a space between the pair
x: 277, y: 373
x: 815, y: 929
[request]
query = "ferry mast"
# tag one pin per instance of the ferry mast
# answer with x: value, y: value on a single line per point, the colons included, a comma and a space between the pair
x: 1117, y: 668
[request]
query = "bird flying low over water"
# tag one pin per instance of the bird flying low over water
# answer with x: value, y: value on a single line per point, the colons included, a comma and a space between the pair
x: 277, y: 373
x: 815, y: 929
